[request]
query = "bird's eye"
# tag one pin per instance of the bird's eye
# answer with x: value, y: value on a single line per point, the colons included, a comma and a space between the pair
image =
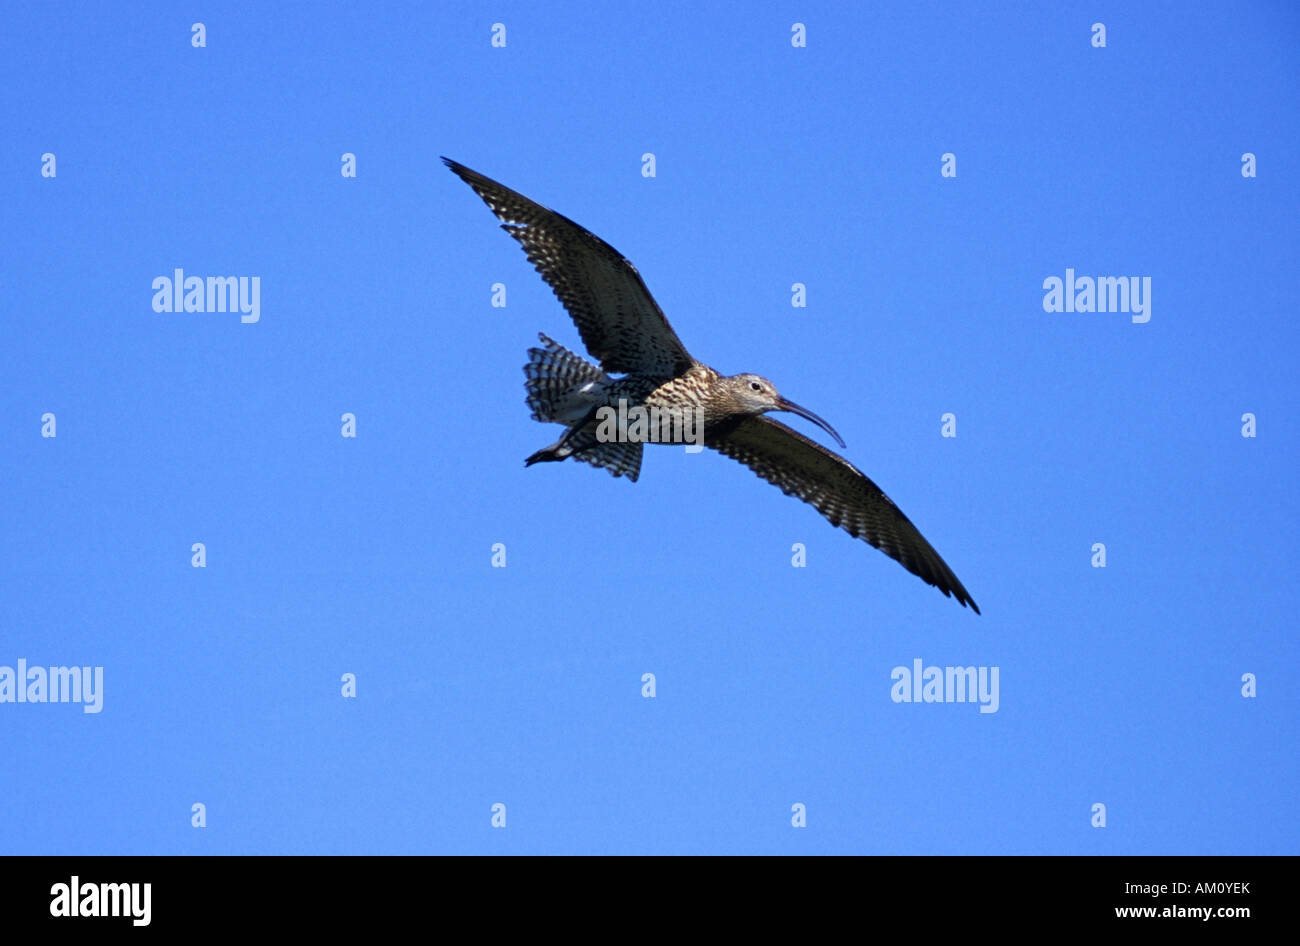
x: 755, y: 386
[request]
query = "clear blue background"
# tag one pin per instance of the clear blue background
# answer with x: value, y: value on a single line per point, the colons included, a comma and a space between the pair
x: 522, y: 685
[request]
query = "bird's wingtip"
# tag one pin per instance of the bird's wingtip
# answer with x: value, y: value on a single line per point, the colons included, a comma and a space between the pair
x: 956, y: 591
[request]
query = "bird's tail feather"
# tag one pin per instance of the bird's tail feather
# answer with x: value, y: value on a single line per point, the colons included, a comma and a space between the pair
x: 556, y: 377
x: 620, y: 458
x: 562, y: 388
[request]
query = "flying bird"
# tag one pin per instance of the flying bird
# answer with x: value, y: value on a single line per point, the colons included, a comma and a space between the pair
x: 624, y: 329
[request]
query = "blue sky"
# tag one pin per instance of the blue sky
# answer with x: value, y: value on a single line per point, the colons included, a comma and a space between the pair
x: 522, y: 686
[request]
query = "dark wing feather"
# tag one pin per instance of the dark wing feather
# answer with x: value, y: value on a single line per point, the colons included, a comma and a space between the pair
x: 838, y: 490
x: 619, y: 321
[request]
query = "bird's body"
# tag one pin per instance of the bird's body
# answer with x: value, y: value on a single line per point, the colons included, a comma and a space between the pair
x: 670, y: 393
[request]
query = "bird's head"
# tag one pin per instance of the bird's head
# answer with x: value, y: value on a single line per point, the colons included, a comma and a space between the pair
x: 754, y: 394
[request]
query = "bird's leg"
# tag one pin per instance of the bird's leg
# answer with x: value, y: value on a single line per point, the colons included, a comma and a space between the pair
x: 549, y: 454
x: 575, y: 439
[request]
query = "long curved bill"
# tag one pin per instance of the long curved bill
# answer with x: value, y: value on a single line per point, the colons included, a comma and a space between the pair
x: 794, y: 408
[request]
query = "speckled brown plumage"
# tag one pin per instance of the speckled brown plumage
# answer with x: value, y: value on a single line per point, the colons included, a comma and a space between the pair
x: 620, y: 323
x: 835, y: 488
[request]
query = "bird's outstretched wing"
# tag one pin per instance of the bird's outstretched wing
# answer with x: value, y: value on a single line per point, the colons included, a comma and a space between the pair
x: 838, y: 490
x: 619, y: 321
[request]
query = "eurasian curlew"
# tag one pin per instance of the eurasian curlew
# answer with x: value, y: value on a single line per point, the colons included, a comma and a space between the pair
x: 624, y: 329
